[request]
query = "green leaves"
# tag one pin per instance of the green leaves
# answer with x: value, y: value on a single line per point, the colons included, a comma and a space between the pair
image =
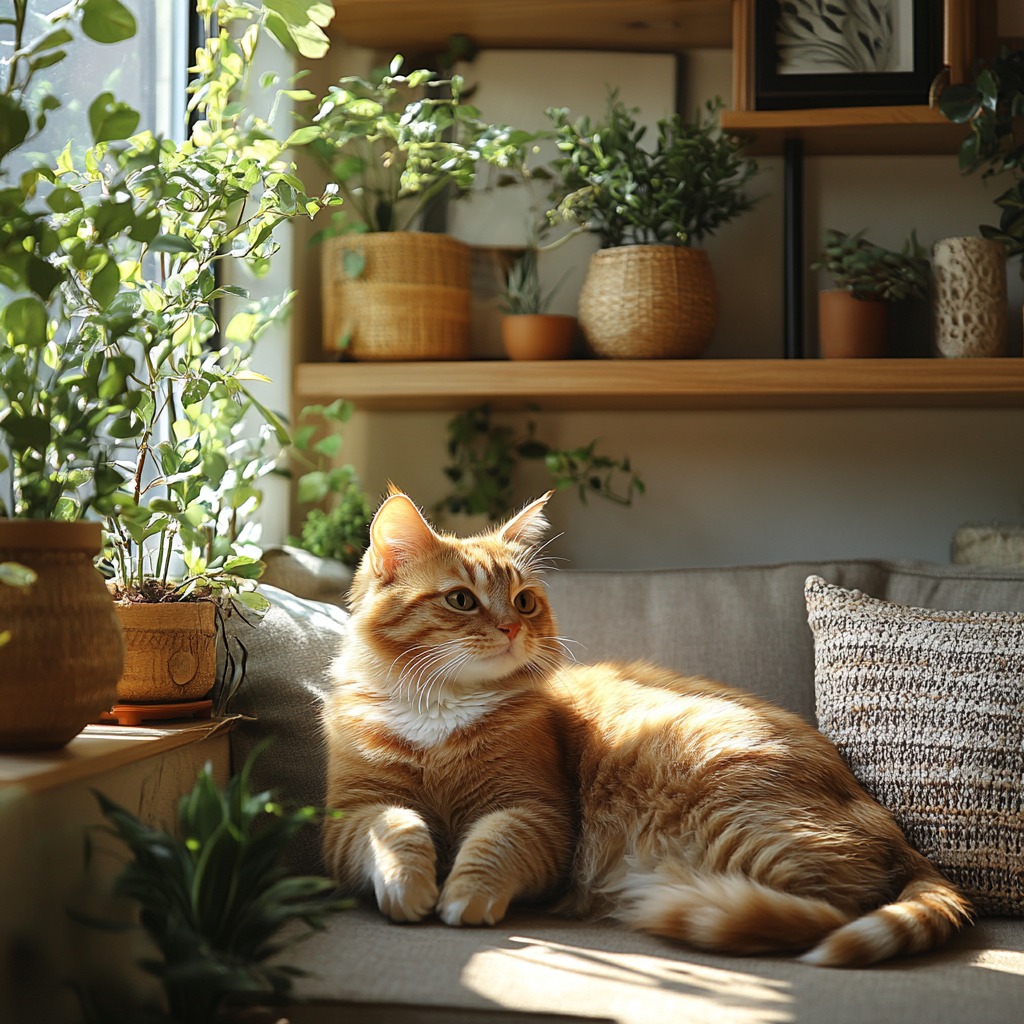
x: 107, y: 21
x: 870, y: 271
x: 110, y: 119
x: 677, y: 193
x: 215, y: 898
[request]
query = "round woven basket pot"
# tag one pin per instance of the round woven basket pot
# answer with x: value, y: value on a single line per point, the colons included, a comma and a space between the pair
x: 648, y: 302
x: 411, y: 300
x: 170, y: 651
x: 60, y: 667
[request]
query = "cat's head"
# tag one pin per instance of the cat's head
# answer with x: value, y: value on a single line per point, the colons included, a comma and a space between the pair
x: 455, y: 612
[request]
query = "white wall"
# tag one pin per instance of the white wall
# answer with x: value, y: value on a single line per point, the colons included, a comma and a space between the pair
x: 757, y: 486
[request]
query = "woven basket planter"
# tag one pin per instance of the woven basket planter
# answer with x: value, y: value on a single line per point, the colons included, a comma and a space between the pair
x: 170, y: 651
x: 648, y: 302
x: 60, y: 668
x: 411, y: 300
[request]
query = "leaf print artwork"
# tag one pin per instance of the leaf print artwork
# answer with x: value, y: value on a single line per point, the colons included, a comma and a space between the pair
x: 843, y: 36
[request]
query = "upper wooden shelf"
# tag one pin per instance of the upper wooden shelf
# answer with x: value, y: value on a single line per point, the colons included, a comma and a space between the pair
x: 838, y: 130
x: 411, y: 26
x: 669, y: 384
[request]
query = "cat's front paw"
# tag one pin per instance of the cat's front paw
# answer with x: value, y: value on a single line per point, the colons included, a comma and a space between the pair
x: 465, y: 901
x: 406, y: 894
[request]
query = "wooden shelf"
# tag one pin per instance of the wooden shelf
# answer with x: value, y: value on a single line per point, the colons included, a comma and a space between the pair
x: 411, y: 26
x: 669, y: 384
x: 847, y: 130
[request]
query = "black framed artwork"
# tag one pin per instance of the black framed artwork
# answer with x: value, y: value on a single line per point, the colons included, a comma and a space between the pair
x: 845, y: 53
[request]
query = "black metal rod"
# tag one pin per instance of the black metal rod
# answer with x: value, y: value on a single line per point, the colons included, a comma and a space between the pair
x: 793, y: 248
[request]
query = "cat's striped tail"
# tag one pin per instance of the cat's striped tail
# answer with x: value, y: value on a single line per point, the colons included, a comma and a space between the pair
x: 730, y: 913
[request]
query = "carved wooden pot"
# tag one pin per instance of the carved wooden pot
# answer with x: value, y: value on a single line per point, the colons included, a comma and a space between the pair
x: 970, y: 297
x: 170, y: 651
x: 59, y: 669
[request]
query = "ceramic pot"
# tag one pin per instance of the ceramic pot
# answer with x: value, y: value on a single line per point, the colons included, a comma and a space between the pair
x: 848, y: 327
x: 538, y: 335
x: 170, y: 651
x: 970, y: 297
x: 409, y: 300
x: 59, y: 670
x: 648, y: 302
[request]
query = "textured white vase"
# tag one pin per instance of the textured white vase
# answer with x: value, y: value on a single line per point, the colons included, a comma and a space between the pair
x: 970, y: 297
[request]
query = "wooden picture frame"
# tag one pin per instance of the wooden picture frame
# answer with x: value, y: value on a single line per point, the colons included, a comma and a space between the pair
x: 804, y: 54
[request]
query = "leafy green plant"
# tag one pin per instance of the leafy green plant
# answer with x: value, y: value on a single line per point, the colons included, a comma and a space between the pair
x: 485, y: 455
x: 677, y: 192
x: 523, y: 293
x: 871, y: 271
x: 392, y: 143
x: 215, y: 897
x: 342, y: 530
x: 992, y: 106
x: 59, y: 392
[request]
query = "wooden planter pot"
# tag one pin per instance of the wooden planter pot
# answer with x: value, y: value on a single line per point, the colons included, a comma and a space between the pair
x: 411, y: 300
x: 648, y: 302
x: 59, y: 671
x: 850, y: 328
x: 538, y: 335
x: 170, y: 651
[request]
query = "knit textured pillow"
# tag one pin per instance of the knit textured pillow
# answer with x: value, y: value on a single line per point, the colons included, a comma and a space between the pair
x: 927, y: 708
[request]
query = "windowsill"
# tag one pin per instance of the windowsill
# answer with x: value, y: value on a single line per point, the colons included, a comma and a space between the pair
x: 101, y: 748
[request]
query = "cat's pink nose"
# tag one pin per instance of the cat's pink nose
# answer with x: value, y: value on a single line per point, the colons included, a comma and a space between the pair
x: 511, y: 629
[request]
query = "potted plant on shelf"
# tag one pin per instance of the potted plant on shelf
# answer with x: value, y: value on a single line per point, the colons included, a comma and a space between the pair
x: 59, y: 394
x: 110, y: 336
x: 528, y: 330
x: 195, y: 440
x: 649, y: 291
x: 393, y: 144
x: 867, y: 277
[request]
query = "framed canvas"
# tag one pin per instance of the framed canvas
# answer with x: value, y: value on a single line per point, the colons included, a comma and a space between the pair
x: 845, y: 53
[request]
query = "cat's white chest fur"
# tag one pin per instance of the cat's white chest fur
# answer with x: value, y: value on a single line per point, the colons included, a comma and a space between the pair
x: 427, y: 723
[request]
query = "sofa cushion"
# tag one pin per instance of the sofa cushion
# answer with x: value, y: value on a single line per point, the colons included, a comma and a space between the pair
x: 287, y: 657
x: 925, y: 706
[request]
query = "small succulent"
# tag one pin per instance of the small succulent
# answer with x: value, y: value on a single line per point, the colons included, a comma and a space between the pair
x: 523, y: 293
x: 870, y: 271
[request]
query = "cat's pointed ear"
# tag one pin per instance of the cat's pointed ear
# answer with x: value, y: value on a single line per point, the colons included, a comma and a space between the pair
x: 398, y: 534
x: 530, y: 525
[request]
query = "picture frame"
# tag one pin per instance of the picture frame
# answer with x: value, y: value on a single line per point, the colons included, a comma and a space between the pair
x: 845, y: 53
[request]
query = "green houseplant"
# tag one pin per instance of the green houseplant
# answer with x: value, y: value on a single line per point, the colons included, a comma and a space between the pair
x: 651, y: 206
x: 992, y: 106
x: 867, y: 278
x: 393, y: 144
x: 485, y: 456
x: 59, y: 394
x: 215, y: 898
x: 528, y: 330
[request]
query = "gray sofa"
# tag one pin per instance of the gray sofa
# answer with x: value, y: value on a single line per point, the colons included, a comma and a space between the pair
x: 746, y: 626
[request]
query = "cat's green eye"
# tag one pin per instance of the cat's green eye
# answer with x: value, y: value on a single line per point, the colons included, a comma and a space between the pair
x: 461, y: 599
x: 526, y: 602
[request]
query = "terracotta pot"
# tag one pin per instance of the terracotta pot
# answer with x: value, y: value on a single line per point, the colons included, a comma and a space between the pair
x: 538, y: 335
x: 59, y: 671
x: 848, y: 327
x: 170, y: 651
x: 648, y: 302
x: 411, y: 299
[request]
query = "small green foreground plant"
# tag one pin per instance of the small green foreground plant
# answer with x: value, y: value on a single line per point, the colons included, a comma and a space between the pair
x: 13, y: 574
x: 215, y: 897
x: 678, y: 192
x: 871, y: 271
x: 485, y: 456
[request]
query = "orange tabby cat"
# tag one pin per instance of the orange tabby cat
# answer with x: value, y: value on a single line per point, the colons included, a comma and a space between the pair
x: 476, y: 766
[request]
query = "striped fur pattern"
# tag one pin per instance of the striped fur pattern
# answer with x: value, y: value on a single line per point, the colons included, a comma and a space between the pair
x: 477, y: 766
